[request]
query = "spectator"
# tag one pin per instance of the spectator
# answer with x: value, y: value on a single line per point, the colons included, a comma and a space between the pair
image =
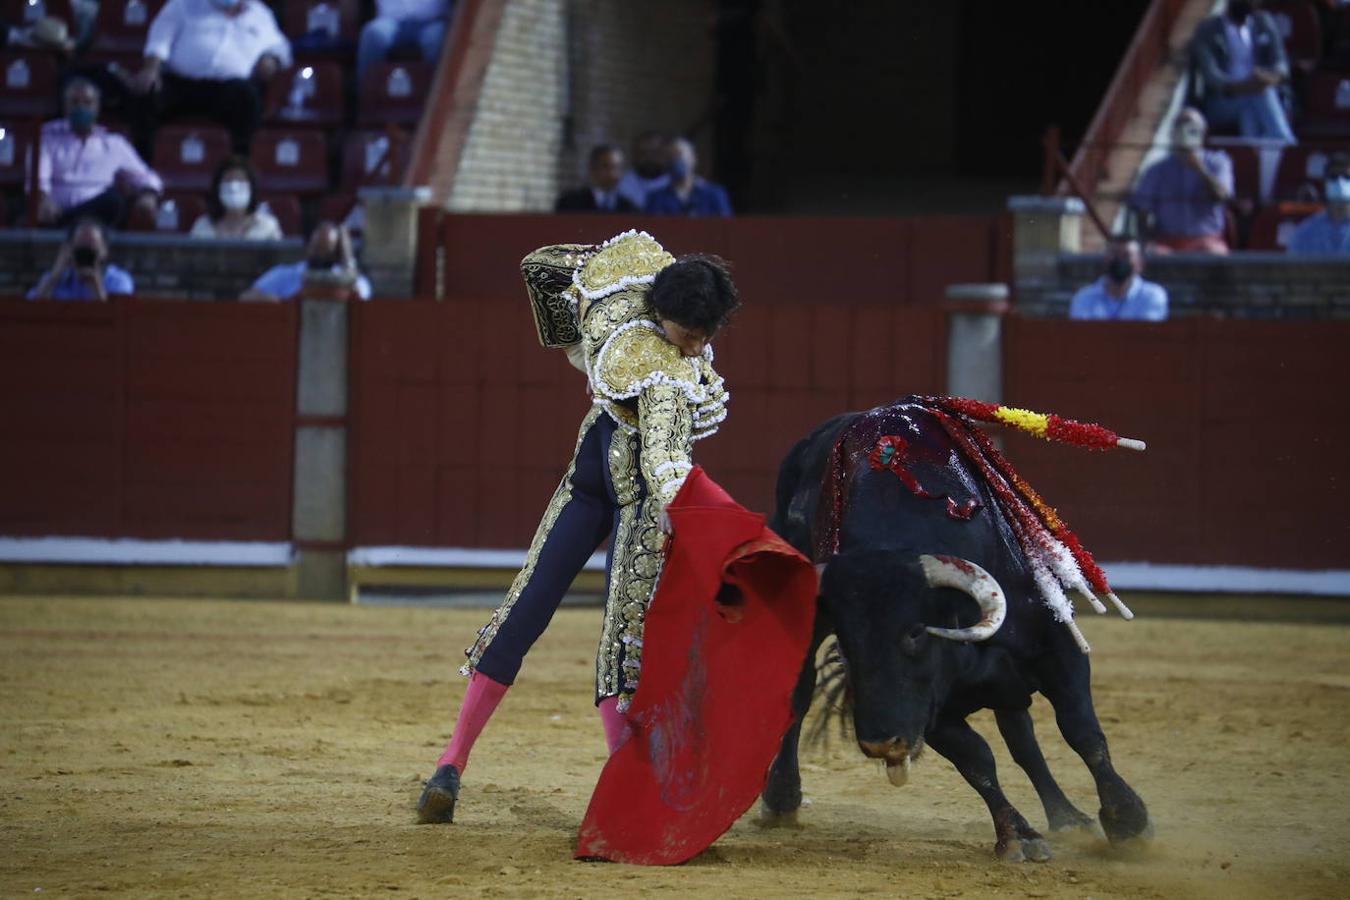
x: 329, y: 268
x: 1240, y: 58
x: 604, y: 169
x: 209, y: 58
x: 1121, y: 293
x: 649, y: 172
x: 401, y: 23
x: 86, y: 171
x: 82, y: 270
x: 1182, y: 197
x: 1328, y: 232
x: 233, y: 209
x: 688, y: 194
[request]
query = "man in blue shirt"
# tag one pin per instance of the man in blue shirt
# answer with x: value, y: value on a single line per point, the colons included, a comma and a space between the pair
x: 1121, y: 293
x: 1328, y: 232
x: 687, y: 194
x: 82, y: 270
x: 1181, y: 198
x: 328, y: 269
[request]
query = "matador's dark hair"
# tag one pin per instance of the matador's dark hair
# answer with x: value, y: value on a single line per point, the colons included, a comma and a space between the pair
x: 696, y: 292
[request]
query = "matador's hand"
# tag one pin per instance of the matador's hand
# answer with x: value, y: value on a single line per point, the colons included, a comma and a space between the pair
x: 663, y: 520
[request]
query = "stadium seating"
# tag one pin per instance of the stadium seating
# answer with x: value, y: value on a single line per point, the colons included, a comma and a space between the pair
x: 122, y: 25
x: 374, y: 158
x: 1274, y: 225
x: 394, y: 93
x: 336, y: 207
x: 306, y: 95
x: 15, y: 139
x: 28, y: 85
x: 186, y: 156
x: 1246, y: 170
x: 286, y: 207
x: 322, y: 29
x: 177, y: 211
x: 1302, y: 31
x: 1301, y: 168
x: 290, y: 160
x: 1328, y: 106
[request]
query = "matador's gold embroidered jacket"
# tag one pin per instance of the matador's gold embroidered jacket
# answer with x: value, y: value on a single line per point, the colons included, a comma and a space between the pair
x: 592, y: 301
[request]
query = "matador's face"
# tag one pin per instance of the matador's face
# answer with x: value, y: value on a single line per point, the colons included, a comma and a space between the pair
x: 691, y: 341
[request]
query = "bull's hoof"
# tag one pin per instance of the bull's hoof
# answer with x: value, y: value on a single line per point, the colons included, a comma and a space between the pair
x: 1126, y: 821
x: 1071, y: 818
x: 1023, y: 849
x: 770, y: 818
x: 437, y: 803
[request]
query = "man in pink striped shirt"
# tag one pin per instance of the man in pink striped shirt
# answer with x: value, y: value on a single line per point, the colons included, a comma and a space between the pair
x: 86, y: 171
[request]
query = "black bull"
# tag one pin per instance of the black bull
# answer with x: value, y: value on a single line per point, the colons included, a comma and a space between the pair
x: 908, y: 686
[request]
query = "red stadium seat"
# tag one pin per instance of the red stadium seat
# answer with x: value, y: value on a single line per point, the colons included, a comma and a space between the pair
x: 306, y: 95
x: 1301, y: 168
x: 1302, y: 31
x: 374, y: 158
x: 290, y: 160
x: 1246, y: 168
x: 336, y: 207
x: 1273, y: 226
x: 178, y: 210
x: 394, y: 93
x: 333, y: 18
x: 1328, y: 106
x: 186, y: 156
x: 122, y: 25
x: 16, y: 139
x: 28, y: 85
x: 286, y: 207
x: 1340, y: 36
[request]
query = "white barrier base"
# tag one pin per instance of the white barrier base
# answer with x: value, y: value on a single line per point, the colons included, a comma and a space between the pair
x: 132, y: 552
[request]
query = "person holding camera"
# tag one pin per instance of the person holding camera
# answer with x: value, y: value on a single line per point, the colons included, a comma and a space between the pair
x: 82, y: 270
x: 328, y: 271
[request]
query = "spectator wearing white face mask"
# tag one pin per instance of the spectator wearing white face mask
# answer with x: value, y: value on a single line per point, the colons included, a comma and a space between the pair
x: 1328, y: 232
x: 233, y: 209
x: 1180, y: 200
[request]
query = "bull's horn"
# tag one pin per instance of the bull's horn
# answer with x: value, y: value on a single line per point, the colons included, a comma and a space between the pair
x: 965, y: 576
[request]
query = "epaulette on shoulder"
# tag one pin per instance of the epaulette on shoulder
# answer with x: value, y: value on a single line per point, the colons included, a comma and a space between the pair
x: 624, y: 260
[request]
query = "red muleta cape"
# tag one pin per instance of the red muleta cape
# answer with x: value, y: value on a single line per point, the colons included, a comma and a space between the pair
x: 715, y: 695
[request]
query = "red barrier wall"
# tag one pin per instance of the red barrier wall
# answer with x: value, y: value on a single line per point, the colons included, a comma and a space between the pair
x: 147, y: 419
x: 1246, y: 425
x: 829, y: 261
x: 462, y: 423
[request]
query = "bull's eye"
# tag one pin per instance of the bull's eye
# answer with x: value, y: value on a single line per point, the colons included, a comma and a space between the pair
x: 914, y: 639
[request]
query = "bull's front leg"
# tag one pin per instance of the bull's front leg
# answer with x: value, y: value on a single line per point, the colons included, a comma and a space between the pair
x: 782, y: 795
x: 1019, y: 733
x: 1067, y: 684
x: 1015, y: 839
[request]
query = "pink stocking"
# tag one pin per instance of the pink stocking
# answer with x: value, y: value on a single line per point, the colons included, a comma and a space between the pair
x: 616, y: 724
x: 480, y: 700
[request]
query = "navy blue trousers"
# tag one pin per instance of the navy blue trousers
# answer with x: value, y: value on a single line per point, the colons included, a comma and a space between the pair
x: 589, y: 511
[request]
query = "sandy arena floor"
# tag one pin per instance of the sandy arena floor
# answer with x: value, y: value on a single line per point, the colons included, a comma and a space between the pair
x: 154, y: 747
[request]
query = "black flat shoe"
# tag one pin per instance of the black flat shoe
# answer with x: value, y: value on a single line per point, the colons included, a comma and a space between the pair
x: 437, y: 803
